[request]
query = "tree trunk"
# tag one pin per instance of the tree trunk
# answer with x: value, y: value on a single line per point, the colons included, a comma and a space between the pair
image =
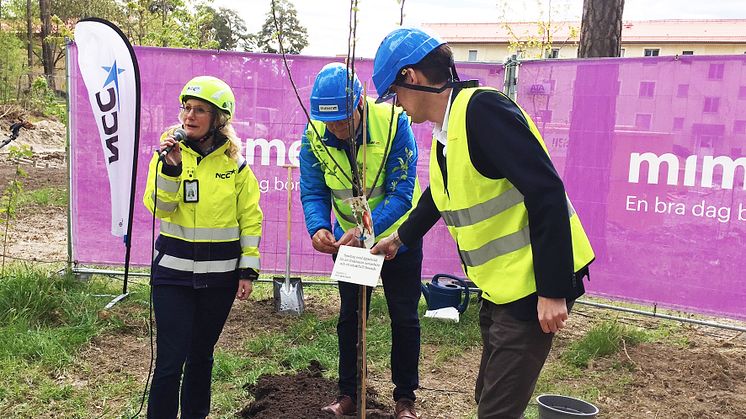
x: 593, y: 117
x: 29, y: 44
x: 47, y: 48
x: 601, y: 28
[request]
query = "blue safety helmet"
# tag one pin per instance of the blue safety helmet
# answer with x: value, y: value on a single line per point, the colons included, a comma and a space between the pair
x: 329, y: 94
x: 401, y: 48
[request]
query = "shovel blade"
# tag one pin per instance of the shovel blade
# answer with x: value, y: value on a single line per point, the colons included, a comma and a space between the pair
x: 288, y: 295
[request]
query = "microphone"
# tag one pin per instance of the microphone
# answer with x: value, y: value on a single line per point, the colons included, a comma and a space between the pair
x: 179, y: 135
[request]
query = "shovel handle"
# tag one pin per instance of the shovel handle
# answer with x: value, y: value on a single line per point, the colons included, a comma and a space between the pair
x: 290, y: 200
x: 289, y: 219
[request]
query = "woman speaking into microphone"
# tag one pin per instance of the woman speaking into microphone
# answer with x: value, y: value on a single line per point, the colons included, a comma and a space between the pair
x: 207, y: 252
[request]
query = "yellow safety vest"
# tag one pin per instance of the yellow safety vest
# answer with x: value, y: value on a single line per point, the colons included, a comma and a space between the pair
x: 488, y: 218
x: 379, y: 118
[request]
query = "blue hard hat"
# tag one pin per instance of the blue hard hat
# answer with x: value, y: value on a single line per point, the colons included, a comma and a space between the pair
x: 401, y: 48
x: 329, y: 95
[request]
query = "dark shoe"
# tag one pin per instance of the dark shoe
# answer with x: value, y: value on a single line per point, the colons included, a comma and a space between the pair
x: 342, y: 406
x: 405, y: 409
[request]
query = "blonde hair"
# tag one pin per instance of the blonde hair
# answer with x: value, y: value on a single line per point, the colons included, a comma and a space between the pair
x: 234, y: 143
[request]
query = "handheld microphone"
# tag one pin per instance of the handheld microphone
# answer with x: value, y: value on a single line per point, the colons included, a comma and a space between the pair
x: 179, y: 135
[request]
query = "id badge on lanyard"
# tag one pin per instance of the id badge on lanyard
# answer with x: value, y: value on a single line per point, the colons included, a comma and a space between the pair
x: 191, y: 191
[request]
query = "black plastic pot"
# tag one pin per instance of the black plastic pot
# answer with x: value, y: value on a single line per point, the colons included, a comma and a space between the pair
x: 553, y: 406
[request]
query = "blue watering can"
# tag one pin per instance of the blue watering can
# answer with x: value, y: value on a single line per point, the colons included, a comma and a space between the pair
x: 446, y: 292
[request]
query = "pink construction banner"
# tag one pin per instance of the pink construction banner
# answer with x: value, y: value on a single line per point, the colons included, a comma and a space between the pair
x: 651, y: 151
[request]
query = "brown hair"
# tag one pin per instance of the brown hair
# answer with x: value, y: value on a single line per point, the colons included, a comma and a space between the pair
x: 436, y: 65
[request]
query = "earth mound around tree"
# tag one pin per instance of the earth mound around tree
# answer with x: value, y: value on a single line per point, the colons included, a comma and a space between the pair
x: 302, y: 395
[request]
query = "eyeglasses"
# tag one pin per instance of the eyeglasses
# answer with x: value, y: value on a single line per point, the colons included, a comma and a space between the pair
x: 198, y: 110
x: 342, y: 123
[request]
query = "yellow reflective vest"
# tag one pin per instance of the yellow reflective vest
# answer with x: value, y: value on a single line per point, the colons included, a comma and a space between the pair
x: 379, y: 118
x: 488, y: 218
x: 210, y: 219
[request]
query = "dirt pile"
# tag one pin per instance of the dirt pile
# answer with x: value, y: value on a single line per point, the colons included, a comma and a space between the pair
x: 46, y: 136
x: 301, y: 396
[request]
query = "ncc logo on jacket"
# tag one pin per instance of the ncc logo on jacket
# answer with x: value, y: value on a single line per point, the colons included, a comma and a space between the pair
x: 225, y: 175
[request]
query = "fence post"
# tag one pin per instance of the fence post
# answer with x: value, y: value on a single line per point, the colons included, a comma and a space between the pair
x: 511, y: 76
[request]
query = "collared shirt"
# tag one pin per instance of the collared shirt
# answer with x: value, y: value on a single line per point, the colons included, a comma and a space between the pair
x: 440, y: 131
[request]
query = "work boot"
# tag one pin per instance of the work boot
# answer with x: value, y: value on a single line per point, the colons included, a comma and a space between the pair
x: 341, y: 406
x: 404, y: 409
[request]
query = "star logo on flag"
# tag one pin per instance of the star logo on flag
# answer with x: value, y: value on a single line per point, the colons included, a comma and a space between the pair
x: 113, y: 76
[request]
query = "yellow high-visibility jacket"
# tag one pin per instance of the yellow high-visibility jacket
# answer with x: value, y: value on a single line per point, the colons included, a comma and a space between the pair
x: 210, y: 220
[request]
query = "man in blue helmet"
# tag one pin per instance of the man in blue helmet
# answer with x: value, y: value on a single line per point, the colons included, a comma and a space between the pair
x: 494, y: 185
x: 332, y: 171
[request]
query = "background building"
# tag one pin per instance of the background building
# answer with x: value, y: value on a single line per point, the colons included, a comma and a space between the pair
x: 492, y: 42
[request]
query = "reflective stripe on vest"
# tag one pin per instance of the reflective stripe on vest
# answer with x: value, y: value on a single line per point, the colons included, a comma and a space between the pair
x: 483, y: 211
x: 248, y: 262
x: 250, y: 241
x: 163, y: 205
x: 198, y: 267
x: 197, y: 233
x: 496, y: 248
x: 168, y: 185
x: 343, y: 194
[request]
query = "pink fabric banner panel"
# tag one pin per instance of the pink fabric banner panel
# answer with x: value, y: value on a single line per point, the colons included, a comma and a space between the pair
x: 650, y: 150
x: 270, y: 123
x: 652, y: 154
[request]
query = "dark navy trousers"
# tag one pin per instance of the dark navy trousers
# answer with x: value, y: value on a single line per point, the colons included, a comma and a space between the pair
x: 401, y: 278
x: 189, y: 322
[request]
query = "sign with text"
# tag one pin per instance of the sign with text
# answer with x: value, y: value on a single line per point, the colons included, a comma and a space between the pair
x: 357, y: 265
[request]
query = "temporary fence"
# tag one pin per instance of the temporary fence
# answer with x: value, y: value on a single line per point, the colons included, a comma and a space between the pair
x: 650, y: 149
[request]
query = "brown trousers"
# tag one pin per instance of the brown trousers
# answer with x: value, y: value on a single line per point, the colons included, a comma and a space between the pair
x: 513, y: 354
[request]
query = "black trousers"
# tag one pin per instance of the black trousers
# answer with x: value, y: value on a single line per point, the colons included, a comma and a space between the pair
x: 401, y: 285
x: 513, y: 354
x: 189, y: 322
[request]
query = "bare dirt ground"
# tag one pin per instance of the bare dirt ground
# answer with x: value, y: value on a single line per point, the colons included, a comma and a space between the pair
x: 703, y: 377
x: 37, y: 233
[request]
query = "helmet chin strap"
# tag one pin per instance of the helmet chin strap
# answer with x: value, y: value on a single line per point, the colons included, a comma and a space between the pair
x: 454, y: 81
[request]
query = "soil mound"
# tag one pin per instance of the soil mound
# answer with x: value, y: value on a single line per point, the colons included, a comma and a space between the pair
x: 301, y: 396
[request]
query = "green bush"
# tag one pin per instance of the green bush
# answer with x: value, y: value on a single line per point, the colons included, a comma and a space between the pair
x: 45, y: 102
x: 12, y: 65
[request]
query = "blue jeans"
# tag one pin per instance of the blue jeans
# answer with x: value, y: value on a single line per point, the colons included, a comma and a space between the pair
x: 189, y: 322
x: 401, y: 285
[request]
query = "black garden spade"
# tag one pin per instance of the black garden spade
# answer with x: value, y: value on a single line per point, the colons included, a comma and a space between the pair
x: 288, y: 292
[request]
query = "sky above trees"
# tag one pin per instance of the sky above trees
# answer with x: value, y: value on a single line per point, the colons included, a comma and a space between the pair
x: 327, y: 21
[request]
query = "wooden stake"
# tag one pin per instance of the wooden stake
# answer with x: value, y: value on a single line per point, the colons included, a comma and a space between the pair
x: 365, y: 133
x: 362, y: 295
x: 361, y: 350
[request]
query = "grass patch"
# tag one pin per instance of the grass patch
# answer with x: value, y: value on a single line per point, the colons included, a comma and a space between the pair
x: 45, y: 319
x: 53, y: 197
x: 603, y: 339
